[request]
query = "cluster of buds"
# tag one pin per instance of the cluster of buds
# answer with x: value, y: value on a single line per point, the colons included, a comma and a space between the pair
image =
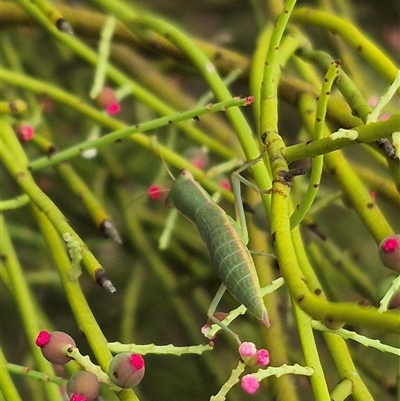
x: 252, y: 356
x: 125, y: 369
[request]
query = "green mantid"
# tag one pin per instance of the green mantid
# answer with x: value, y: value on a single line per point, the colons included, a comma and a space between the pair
x: 226, y: 240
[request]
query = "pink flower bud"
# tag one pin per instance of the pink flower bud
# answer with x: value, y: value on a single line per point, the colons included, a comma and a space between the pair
x: 250, y: 384
x: 25, y: 132
x: 263, y: 357
x: 83, y: 386
x: 113, y: 108
x: 225, y: 184
x: 53, y: 346
x: 77, y: 397
x: 126, y: 369
x: 389, y: 252
x: 107, y: 100
x: 154, y: 192
x: 247, y: 349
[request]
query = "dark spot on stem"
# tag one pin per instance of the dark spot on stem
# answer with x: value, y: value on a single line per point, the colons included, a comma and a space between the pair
x: 59, y: 23
x: 317, y: 291
x: 169, y: 122
x: 118, y: 140
x: 63, y: 26
x: 318, y: 120
x: 370, y: 205
x: 286, y: 11
x: 288, y: 176
x: 316, y: 185
x: 332, y: 171
x: 328, y: 93
x: 304, y: 280
x: 308, y: 142
x: 13, y: 107
x: 300, y: 298
x: 264, y: 137
x: 196, y: 118
x: 51, y: 150
x: 359, y: 48
x: 3, y: 257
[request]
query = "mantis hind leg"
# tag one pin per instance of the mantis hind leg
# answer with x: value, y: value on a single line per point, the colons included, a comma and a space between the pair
x: 213, y: 319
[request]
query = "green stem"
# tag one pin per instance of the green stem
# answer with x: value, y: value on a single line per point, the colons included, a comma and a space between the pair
x: 346, y: 368
x: 338, y: 348
x: 366, y: 134
x: 7, y: 386
x: 311, y: 354
x: 276, y: 338
x: 269, y: 87
x: 26, y: 305
x: 34, y: 374
x: 306, y: 103
x: 135, y: 133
